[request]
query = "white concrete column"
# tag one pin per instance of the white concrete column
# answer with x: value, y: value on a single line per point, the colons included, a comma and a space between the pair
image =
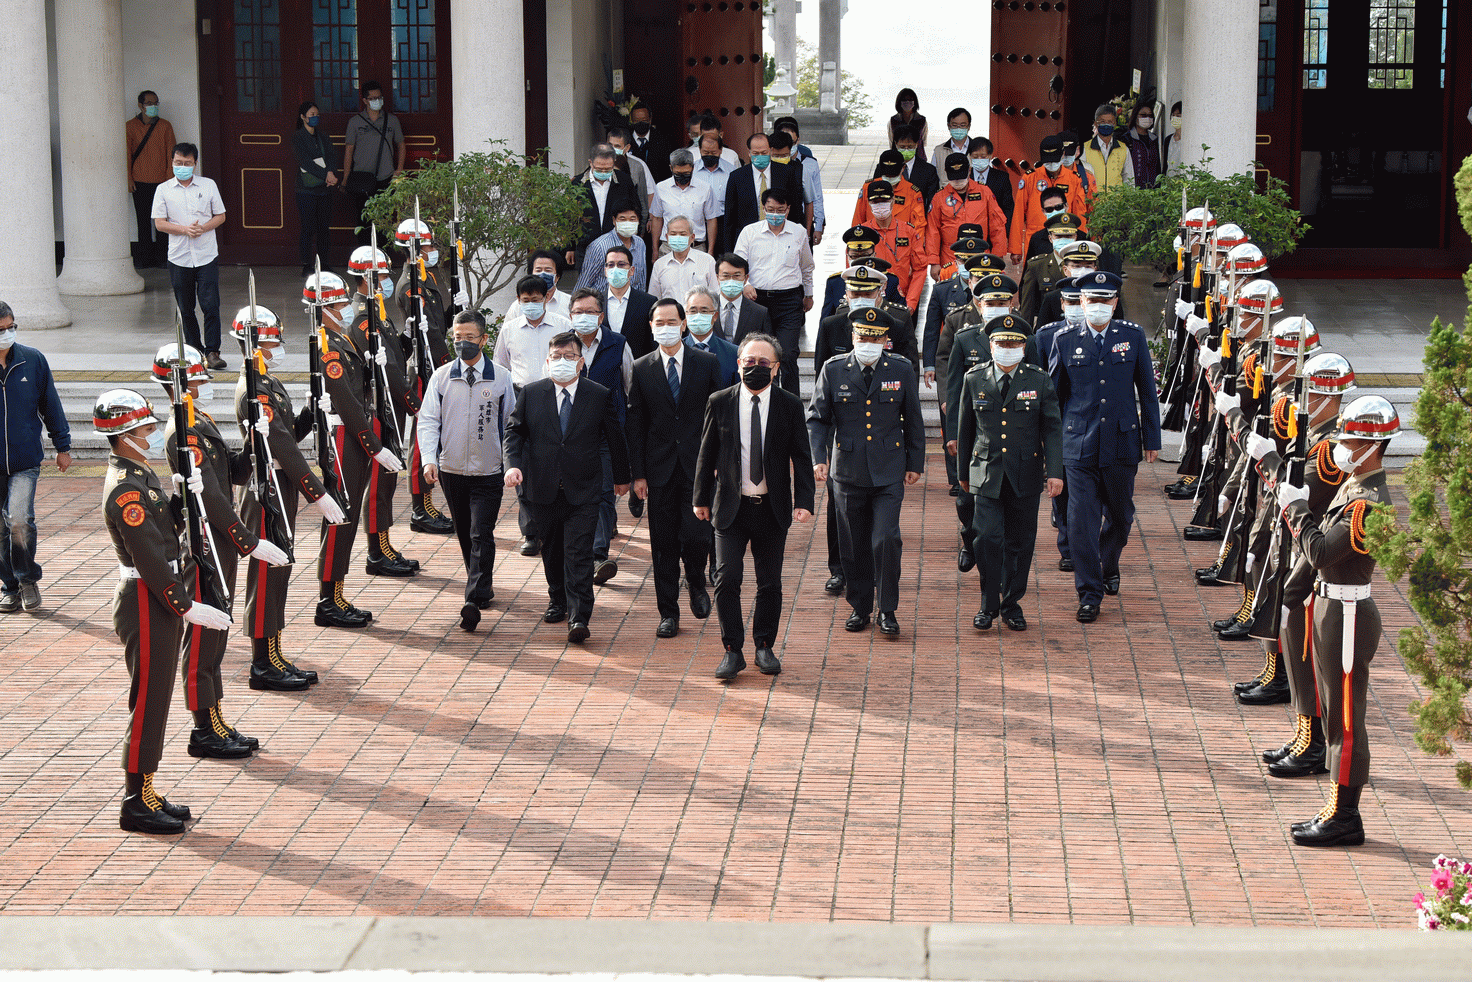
x: 489, y: 63
x: 1219, y: 95
x: 784, y: 36
x: 28, y: 284
x: 97, y: 214
x: 563, y: 106
x: 830, y: 52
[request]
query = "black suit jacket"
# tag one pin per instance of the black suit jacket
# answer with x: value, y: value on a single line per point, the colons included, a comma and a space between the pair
x: 637, y: 332
x: 1000, y: 183
x: 621, y: 194
x: 786, y: 457
x: 548, y: 460
x: 924, y: 176
x: 743, y: 207
x: 751, y: 318
x: 664, y: 436
x: 656, y: 153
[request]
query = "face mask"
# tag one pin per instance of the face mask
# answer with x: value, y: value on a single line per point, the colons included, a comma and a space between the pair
x: 960, y: 183
x: 618, y: 277
x: 781, y: 160
x: 756, y: 377
x: 682, y: 179
x: 1346, y: 461
x: 1175, y: 121
x: 1079, y: 270
x: 547, y: 278
x: 603, y: 175
x: 387, y: 286
x: 432, y: 257
x: 959, y: 133
x: 1053, y: 167
x: 183, y: 173
x: 892, y: 179
x: 312, y: 121
x: 1073, y: 313
x: 375, y: 104
x: 274, y: 356
x: 1050, y: 212
x: 882, y: 209
x: 1070, y: 160
x: 908, y: 154
x: 562, y: 370
x: 1146, y: 122
x: 775, y: 220
x: 667, y: 335
x: 711, y: 161
x: 1105, y: 130
x: 868, y: 352
x: 1058, y: 244
x: 585, y: 323
x: 1098, y: 314
x: 761, y: 160
x: 907, y: 107
x: 679, y: 243
x: 642, y: 128
x: 701, y: 324
x: 7, y: 339
x: 731, y: 289
x: 988, y: 312
x: 467, y: 351
x: 153, y: 446
x: 152, y: 113
x: 980, y: 165
x: 861, y: 303
x: 533, y: 310
x: 205, y: 393
x: 1007, y: 357
x: 626, y: 229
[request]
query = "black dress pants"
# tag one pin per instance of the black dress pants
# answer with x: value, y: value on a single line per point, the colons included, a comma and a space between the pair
x: 474, y: 503
x: 676, y: 536
x: 567, y: 552
x: 1006, y: 534
x: 757, y: 526
x: 788, y: 317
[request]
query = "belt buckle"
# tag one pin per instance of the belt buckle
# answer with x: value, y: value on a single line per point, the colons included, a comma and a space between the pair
x: 755, y: 499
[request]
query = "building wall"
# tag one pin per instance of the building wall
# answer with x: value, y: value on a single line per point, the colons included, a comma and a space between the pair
x: 578, y: 39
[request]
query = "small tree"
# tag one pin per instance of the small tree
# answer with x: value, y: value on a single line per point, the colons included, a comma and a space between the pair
x: 851, y: 88
x: 1435, y: 545
x: 1141, y: 223
x: 508, y: 207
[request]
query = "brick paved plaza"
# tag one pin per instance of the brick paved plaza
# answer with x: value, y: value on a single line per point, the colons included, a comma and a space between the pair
x: 1069, y: 774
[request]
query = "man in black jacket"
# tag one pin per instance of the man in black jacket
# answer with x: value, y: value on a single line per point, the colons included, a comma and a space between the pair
x: 606, y: 191
x: 745, y: 186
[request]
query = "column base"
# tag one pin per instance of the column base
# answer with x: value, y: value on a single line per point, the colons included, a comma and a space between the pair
x: 37, y: 308
x: 822, y: 126
x: 98, y: 277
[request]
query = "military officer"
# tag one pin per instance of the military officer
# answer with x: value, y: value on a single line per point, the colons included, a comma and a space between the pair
x: 859, y: 244
x: 216, y: 469
x: 1079, y: 258
x: 1345, y: 623
x: 1101, y: 370
x: 355, y: 443
x: 1008, y: 431
x: 866, y: 430
x: 415, y: 238
x: 1042, y: 273
x: 265, y: 584
x: 1039, y: 353
x: 152, y: 602
x: 950, y: 295
x: 399, y: 399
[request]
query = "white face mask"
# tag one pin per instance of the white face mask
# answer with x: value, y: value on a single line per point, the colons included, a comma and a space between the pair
x: 882, y: 210
x: 375, y: 104
x: 562, y: 370
x: 432, y: 257
x: 988, y: 312
x: 1079, y: 270
x: 626, y: 229
x: 274, y: 356
x: 7, y: 339
x: 1054, y: 167
x: 1098, y: 314
x: 1348, y: 462
x: 153, y: 446
x: 667, y: 335
x: 206, y: 392
x: 1007, y: 357
x: 1073, y: 313
x: 868, y: 352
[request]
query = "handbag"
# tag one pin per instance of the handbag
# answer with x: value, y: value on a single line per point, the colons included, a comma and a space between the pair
x: 365, y: 182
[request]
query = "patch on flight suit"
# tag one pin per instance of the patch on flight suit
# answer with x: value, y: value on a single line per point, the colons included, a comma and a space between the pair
x: 135, y: 514
x: 902, y: 240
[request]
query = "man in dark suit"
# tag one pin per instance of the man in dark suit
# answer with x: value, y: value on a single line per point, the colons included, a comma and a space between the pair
x: 865, y: 416
x: 626, y: 310
x: 1008, y: 433
x: 984, y: 168
x: 1100, y: 370
x: 552, y: 446
x: 738, y: 316
x: 921, y: 172
x: 666, y: 409
x: 700, y: 321
x: 606, y: 191
x: 753, y: 476
x: 649, y: 144
x: 745, y: 186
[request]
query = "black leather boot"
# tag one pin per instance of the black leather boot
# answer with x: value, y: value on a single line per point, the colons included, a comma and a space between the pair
x: 267, y: 675
x: 1272, y: 665
x: 334, y: 611
x: 1307, y: 756
x: 1339, y: 824
x: 1300, y: 726
x: 217, y: 717
x: 427, y: 518
x: 144, y: 810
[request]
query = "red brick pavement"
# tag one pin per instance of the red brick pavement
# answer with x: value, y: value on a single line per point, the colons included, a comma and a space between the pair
x: 1071, y: 773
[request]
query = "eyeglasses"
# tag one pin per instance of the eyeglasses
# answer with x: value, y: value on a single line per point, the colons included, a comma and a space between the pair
x: 757, y: 362
x: 618, y: 265
x: 466, y: 337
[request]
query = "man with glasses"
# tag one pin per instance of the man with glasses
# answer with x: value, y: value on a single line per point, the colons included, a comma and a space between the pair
x: 781, y: 277
x: 594, y: 273
x: 1037, y: 198
x: 625, y: 307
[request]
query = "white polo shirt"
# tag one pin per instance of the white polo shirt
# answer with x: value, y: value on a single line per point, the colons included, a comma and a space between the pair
x: 199, y: 201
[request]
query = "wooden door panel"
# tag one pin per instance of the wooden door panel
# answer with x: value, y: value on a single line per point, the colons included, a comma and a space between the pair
x: 1029, y: 39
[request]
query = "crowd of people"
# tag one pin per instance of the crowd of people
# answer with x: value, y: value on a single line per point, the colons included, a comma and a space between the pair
x: 670, y: 375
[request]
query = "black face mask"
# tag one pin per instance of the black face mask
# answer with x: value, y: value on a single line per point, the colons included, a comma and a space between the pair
x: 468, y: 350
x: 756, y: 377
x: 710, y: 162
x: 642, y: 128
x: 681, y: 179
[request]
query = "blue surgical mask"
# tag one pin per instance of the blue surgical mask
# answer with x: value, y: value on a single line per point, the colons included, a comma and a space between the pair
x: 731, y: 289
x: 387, y: 286
x: 861, y: 303
x: 1105, y: 129
x: 958, y: 133
x: 533, y: 310
x: 1050, y: 212
x: 151, y: 112
x: 603, y: 175
x: 761, y: 160
x: 774, y: 220
x: 1098, y: 314
x: 701, y: 324
x: 989, y: 312
x: 547, y: 278
x: 1073, y: 313
x: 679, y: 243
x: 155, y: 444
x: 183, y: 173
x: 585, y: 323
x: 618, y: 277
x: 980, y: 165
x: 312, y: 121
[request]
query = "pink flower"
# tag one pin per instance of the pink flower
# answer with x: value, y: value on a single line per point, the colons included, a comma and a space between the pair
x: 1442, y: 881
x: 1420, y: 899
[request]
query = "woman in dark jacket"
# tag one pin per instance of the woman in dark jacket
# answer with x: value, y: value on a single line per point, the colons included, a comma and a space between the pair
x: 907, y: 113
x: 315, y: 181
x: 1143, y: 145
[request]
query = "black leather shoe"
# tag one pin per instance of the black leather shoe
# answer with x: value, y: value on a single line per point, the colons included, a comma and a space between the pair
x: 1311, y: 761
x: 700, y: 603
x: 965, y: 559
x: 556, y: 614
x: 668, y: 628
x: 330, y: 615
x: 835, y: 585
x: 207, y: 743
x: 1087, y: 613
x: 955, y: 490
x: 181, y: 812
x: 577, y: 632
x: 269, y: 678
x: 1183, y: 493
x: 529, y: 547
x: 1273, y: 756
x: 384, y: 566
x: 1238, y: 631
x: 1251, y: 683
x: 636, y: 506
x: 1194, y: 534
x: 251, y: 742
x: 604, y: 570
x: 1338, y: 830
x: 730, y: 665
x: 138, y: 817
x: 1015, y: 622
x: 983, y: 620
x: 888, y: 624
x: 305, y: 673
x: 767, y: 663
x: 1065, y: 564
x: 469, y: 617
x: 1222, y: 625
x: 431, y: 524
x: 1271, y: 694
x: 856, y: 622
x: 1208, y: 576
x: 1111, y: 585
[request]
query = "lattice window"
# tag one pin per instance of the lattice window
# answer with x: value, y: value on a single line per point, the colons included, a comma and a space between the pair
x: 414, y: 82
x: 1315, y: 44
x: 335, y: 55
x: 1267, y: 54
x: 1392, y: 44
x: 257, y: 56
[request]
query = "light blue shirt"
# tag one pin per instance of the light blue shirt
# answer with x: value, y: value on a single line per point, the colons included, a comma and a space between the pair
x: 812, y: 191
x: 716, y: 182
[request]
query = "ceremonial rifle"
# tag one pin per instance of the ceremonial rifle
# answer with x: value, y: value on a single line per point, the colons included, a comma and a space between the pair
x: 383, y: 409
x: 457, y: 253
x: 275, y: 528
x: 1270, y: 593
x: 210, y: 583
x: 327, y: 460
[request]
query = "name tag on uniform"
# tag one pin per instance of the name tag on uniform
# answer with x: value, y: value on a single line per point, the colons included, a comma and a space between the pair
x: 981, y: 403
x: 973, y: 357
x: 889, y: 386
x: 901, y: 241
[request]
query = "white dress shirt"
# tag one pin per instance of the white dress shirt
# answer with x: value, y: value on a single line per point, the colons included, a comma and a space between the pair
x: 678, y: 356
x: 729, y: 321
x: 614, y: 310
x: 600, y: 194
x: 521, y: 348
x: 756, y: 184
x: 674, y: 277
x: 743, y: 403
x: 779, y: 260
x: 693, y: 201
x: 198, y: 201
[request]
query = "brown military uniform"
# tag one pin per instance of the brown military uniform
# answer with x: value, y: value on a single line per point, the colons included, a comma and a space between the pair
x: 401, y: 401
x: 437, y: 324
x: 354, y: 444
x: 148, y: 604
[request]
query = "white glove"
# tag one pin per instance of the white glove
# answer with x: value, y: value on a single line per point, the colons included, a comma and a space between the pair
x: 1226, y: 403
x: 388, y: 461
x: 325, y: 403
x: 263, y: 425
x: 1289, y: 493
x: 408, y: 327
x: 206, y: 616
x: 334, y: 421
x: 1185, y: 308
x: 196, y: 481
x: 269, y: 553
x: 1197, y: 325
x: 330, y: 510
x: 1259, y: 446
x: 1209, y: 358
x: 1222, y: 504
x: 382, y: 357
x: 462, y: 299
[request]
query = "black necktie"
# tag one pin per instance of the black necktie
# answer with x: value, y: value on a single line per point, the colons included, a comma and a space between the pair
x: 758, y: 472
x: 868, y: 375
x: 1006, y: 387
x: 674, y: 377
x: 565, y: 413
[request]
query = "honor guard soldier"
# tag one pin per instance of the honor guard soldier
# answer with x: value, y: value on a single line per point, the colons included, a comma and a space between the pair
x: 859, y: 243
x: 1042, y: 273
x: 265, y: 584
x: 354, y: 443
x: 416, y: 239
x: 866, y: 431
x: 1009, y: 439
x: 1111, y: 417
x: 390, y: 375
x: 993, y: 296
x: 901, y: 244
x: 152, y: 601
x: 1344, y: 621
x: 215, y: 470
